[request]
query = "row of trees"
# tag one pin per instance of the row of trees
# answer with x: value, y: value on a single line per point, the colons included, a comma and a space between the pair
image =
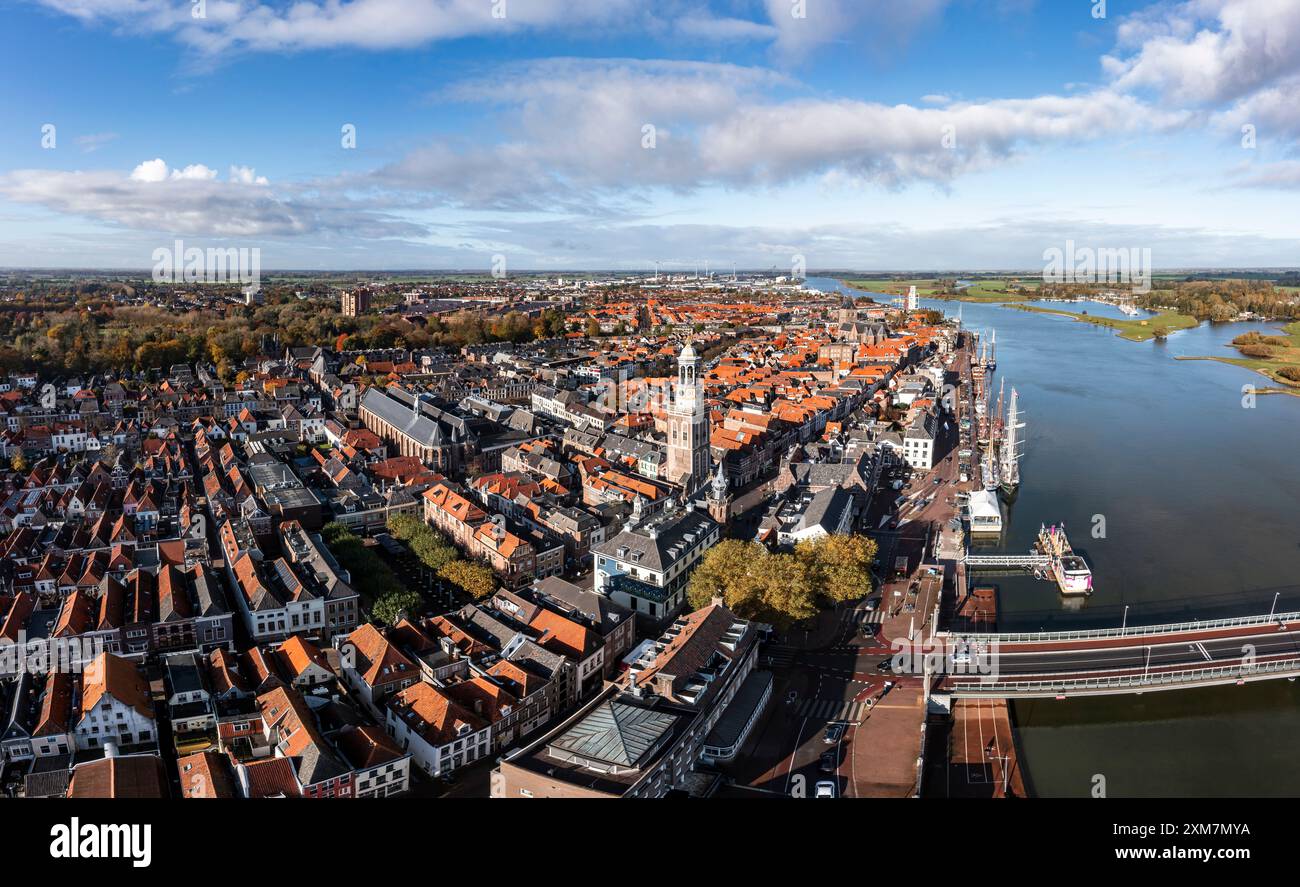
x: 783, y: 588
x: 373, y: 578
x: 435, y: 551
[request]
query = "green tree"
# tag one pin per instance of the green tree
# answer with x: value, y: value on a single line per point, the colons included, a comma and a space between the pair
x: 392, y: 607
x: 371, y: 577
x: 427, y: 544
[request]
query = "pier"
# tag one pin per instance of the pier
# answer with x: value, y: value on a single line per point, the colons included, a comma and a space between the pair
x: 1052, y: 557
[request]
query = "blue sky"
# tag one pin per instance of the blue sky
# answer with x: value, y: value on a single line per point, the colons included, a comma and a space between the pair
x: 931, y: 134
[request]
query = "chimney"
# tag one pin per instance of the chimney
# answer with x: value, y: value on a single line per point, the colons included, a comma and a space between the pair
x: 110, y: 749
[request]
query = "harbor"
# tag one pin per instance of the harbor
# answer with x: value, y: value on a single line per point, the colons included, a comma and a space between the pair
x: 1088, y: 426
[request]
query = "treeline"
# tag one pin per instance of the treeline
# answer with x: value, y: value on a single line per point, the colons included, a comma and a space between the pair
x: 380, y: 588
x: 89, y: 333
x: 435, y: 551
x: 1223, y: 300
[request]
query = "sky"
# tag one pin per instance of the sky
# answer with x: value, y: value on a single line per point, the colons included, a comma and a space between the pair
x: 873, y: 135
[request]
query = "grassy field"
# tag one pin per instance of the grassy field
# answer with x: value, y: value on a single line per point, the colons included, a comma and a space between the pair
x: 895, y: 287
x: 991, y: 290
x: 999, y: 291
x: 1140, y: 330
x: 1268, y: 367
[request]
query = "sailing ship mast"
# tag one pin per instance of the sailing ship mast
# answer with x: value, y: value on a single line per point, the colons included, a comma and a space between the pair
x: 1010, y: 449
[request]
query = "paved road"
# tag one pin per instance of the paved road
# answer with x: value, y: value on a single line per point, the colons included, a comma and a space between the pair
x: 1122, y: 657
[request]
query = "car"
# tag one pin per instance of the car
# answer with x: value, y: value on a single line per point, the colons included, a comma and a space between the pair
x: 961, y: 656
x: 873, y: 603
x: 834, y: 733
x: 885, y: 667
x: 829, y: 762
x: 824, y: 789
x: 870, y: 628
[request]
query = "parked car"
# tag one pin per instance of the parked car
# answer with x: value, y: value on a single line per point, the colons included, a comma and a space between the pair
x: 834, y: 733
x: 824, y: 789
x: 829, y: 762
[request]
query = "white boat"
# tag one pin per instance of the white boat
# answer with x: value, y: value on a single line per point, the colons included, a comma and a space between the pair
x: 1073, y: 575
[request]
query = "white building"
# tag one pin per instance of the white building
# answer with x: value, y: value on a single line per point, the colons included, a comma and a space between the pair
x: 115, y: 705
x: 918, y: 441
x: 438, y: 734
x: 645, y: 568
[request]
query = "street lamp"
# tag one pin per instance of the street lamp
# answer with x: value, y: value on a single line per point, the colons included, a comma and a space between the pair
x: 1273, y: 609
x: 1124, y: 624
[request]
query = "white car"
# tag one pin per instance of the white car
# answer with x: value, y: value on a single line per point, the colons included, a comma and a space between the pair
x: 824, y: 789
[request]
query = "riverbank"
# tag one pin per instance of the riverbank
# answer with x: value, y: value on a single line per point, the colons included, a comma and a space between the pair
x: 1140, y: 330
x: 1283, y: 356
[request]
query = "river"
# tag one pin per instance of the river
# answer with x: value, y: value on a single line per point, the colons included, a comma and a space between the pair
x: 1182, y: 492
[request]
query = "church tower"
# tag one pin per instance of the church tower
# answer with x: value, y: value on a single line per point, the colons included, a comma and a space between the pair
x: 688, y: 426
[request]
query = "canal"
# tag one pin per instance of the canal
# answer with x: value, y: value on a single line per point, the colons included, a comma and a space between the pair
x: 1183, y: 493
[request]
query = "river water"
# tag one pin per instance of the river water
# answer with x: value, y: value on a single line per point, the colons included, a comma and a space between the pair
x: 1184, y: 495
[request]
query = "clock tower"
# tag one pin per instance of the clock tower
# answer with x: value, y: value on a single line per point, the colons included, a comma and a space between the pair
x: 688, y: 424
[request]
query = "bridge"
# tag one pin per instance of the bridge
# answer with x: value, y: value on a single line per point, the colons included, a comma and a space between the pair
x: 1008, y: 560
x: 1136, y: 659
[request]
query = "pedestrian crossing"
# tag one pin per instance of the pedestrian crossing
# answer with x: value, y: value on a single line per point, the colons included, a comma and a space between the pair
x: 832, y: 710
x: 780, y: 655
x: 862, y: 617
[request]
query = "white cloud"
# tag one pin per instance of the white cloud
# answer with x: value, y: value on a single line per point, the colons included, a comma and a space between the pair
x: 195, y: 172
x: 92, y: 142
x: 706, y: 27
x: 576, y: 132
x: 150, y: 171
x: 233, y: 25
x: 193, y: 202
x: 1208, y: 51
x: 156, y: 170
x: 803, y: 25
x: 246, y: 175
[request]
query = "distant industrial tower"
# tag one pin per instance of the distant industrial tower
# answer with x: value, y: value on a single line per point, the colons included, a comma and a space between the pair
x: 355, y: 302
x: 913, y: 302
x: 688, y: 427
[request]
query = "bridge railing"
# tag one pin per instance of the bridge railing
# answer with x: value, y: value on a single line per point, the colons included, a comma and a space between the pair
x: 1128, y: 631
x: 1236, y: 671
x: 1006, y: 560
